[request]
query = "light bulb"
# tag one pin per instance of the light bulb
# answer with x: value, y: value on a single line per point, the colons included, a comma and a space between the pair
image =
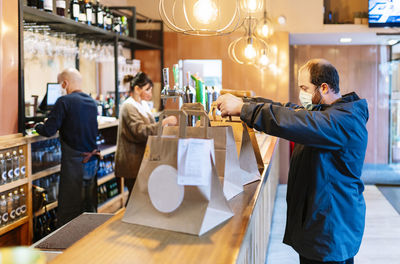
x: 205, y: 11
x: 250, y: 52
x: 265, y: 30
x: 252, y: 4
x: 264, y: 60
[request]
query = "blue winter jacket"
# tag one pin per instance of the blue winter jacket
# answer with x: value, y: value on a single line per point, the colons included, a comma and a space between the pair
x: 325, y: 203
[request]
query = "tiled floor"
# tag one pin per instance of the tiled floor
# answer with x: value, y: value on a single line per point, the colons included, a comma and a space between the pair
x: 381, y: 242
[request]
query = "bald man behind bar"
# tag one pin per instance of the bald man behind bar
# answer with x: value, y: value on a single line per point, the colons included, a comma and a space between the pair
x: 75, y: 116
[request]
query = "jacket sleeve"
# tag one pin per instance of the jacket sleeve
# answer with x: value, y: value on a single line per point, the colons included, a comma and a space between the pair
x: 320, y: 129
x: 54, y: 120
x: 138, y: 128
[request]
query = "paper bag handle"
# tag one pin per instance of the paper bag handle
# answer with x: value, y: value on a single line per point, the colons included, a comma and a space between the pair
x: 182, y: 121
x: 192, y: 106
x: 203, y: 117
x: 213, y: 113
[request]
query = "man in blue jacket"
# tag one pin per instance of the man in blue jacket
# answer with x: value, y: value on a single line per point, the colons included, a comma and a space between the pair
x: 325, y: 203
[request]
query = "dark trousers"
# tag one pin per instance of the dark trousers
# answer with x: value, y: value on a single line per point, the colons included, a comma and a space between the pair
x: 308, y: 261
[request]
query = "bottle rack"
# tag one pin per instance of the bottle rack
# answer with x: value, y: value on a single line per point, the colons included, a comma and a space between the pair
x: 23, y: 227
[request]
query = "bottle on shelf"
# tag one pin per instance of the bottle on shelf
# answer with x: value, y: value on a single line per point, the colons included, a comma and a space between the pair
x: 17, y: 207
x: 108, y: 19
x: 117, y: 24
x: 60, y: 7
x: 166, y: 81
x: 74, y: 10
x: 99, y: 15
x: 10, y: 208
x: 89, y: 12
x: 22, y: 202
x: 22, y: 168
x: 48, y: 6
x: 33, y: 3
x: 124, y: 26
x: 82, y: 11
x: 40, y: 4
x: 9, y: 168
x: 15, y: 159
x: 3, y: 170
x: 3, y: 210
x: 94, y: 15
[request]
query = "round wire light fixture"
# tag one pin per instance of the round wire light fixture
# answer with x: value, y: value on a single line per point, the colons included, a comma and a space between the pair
x: 264, y: 27
x: 251, y: 6
x: 201, y: 17
x: 263, y: 61
x: 249, y: 48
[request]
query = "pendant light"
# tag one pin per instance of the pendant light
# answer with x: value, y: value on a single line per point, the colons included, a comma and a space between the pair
x: 263, y: 61
x: 264, y: 27
x: 202, y: 17
x: 251, y: 6
x: 249, y: 48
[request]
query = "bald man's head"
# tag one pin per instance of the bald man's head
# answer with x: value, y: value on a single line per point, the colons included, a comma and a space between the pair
x: 322, y: 71
x: 70, y: 79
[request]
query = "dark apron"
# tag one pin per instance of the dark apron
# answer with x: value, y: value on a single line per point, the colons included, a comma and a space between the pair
x: 71, y: 201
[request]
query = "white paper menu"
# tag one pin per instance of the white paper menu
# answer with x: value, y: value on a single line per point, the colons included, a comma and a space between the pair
x: 194, y: 161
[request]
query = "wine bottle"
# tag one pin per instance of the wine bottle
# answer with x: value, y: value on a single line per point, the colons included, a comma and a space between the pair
x: 100, y: 15
x: 74, y: 9
x: 82, y: 11
x: 88, y: 10
x: 40, y: 4
x: 48, y: 6
x: 33, y: 3
x: 60, y: 7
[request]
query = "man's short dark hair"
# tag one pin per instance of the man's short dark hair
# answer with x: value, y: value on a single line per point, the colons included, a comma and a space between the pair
x: 321, y: 71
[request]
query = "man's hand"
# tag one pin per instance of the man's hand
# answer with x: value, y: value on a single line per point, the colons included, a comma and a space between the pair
x: 229, y: 105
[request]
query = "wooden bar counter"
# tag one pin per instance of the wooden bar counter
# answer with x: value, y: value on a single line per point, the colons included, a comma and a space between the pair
x: 242, y: 239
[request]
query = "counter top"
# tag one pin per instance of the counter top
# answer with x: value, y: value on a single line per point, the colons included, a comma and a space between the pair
x: 118, y: 242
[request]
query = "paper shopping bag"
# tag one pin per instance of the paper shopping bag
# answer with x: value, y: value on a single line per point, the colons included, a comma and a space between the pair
x: 188, y: 209
x: 249, y: 153
x: 227, y: 162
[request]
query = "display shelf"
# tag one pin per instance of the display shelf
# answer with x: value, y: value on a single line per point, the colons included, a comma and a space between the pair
x: 46, y: 172
x: 14, y: 225
x: 107, y: 149
x: 63, y: 24
x: 12, y: 185
x: 49, y: 207
x: 109, y: 203
x: 105, y: 179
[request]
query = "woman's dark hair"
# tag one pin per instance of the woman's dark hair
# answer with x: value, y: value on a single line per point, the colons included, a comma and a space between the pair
x: 140, y: 79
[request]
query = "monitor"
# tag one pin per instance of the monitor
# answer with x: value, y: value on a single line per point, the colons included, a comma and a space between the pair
x: 54, y: 91
x: 384, y: 13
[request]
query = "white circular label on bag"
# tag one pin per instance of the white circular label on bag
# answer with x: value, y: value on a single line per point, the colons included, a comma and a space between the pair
x: 165, y: 193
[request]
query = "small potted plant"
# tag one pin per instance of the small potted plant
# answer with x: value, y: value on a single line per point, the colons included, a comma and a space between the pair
x: 357, y: 18
x: 364, y: 18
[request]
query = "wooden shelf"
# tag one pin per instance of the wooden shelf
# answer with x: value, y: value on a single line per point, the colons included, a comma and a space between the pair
x: 106, y: 178
x: 49, y: 207
x: 12, y: 185
x: 14, y: 225
x: 108, y: 124
x: 107, y: 149
x: 46, y: 172
x: 103, y: 207
x: 63, y: 24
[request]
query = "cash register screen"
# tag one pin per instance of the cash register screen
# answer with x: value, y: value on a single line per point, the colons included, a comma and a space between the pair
x: 53, y: 93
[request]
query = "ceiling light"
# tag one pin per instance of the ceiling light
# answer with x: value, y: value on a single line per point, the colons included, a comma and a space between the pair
x: 251, y: 6
x: 345, y: 40
x: 202, y: 17
x: 392, y: 41
x: 247, y: 49
x: 282, y: 20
